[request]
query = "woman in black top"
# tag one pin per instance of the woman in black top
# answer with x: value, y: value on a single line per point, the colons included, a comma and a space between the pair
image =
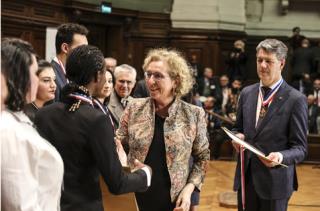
x: 84, y: 136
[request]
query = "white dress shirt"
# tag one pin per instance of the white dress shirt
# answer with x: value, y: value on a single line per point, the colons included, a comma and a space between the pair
x: 31, y: 168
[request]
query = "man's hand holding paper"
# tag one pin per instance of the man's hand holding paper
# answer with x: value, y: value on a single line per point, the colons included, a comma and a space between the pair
x: 274, y: 159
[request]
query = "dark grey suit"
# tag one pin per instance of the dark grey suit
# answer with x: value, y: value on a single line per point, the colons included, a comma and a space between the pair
x: 284, y: 130
x: 61, y: 79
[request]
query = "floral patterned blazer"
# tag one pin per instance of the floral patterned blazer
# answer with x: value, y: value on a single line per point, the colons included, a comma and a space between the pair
x: 185, y: 135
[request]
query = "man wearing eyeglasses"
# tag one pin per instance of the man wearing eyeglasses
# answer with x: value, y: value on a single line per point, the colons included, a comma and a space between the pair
x: 125, y: 79
x: 271, y: 116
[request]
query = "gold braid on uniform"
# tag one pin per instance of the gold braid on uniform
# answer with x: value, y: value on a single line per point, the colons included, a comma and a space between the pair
x: 75, y: 106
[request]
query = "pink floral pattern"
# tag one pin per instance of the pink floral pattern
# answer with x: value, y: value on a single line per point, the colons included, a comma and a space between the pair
x: 185, y: 135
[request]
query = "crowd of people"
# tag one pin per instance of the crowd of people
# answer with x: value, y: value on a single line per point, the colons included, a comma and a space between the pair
x: 65, y: 123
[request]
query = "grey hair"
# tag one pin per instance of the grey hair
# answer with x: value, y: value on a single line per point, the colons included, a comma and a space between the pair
x: 125, y: 68
x: 274, y: 46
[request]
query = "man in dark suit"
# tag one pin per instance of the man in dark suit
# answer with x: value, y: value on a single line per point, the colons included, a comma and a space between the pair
x: 68, y: 37
x: 272, y: 116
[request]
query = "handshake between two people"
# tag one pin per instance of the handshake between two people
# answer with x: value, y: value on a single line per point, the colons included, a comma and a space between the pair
x: 124, y: 161
x: 273, y: 159
x: 184, y: 199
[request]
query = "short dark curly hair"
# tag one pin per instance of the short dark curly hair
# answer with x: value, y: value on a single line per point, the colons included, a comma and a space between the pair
x: 16, y: 59
x: 83, y: 64
x: 65, y: 34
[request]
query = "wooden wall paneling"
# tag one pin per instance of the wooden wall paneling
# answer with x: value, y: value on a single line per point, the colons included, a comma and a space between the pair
x: 28, y: 20
x: 97, y: 36
x: 139, y: 49
x: 38, y: 41
x: 214, y: 57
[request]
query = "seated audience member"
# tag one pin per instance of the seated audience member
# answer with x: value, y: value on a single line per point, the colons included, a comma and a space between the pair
x: 231, y: 107
x: 46, y: 89
x: 208, y: 85
x: 85, y: 137
x: 165, y: 132
x: 316, y: 91
x: 31, y: 168
x: 111, y: 63
x: 225, y: 92
x: 125, y: 79
x: 302, y: 83
x: 313, y: 114
x: 213, y: 127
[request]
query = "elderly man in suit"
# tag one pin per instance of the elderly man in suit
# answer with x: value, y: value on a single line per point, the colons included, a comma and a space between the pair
x: 125, y: 79
x: 68, y: 37
x: 272, y: 116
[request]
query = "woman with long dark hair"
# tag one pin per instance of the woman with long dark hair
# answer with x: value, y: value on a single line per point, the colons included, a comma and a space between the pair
x: 31, y: 168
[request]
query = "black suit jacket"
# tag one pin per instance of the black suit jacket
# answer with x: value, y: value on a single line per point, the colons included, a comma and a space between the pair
x: 61, y: 79
x: 85, y: 141
x: 283, y: 129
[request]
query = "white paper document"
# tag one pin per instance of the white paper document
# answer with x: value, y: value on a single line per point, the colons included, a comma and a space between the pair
x: 248, y: 146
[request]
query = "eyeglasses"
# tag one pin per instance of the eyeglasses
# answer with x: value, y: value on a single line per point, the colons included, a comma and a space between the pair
x: 156, y: 75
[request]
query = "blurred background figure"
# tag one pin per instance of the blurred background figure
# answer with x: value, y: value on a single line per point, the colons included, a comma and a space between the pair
x: 236, y: 61
x: 313, y: 113
x: 296, y: 38
x: 232, y: 104
x: 316, y: 60
x: 196, y: 66
x: 46, y: 89
x: 213, y: 127
x: 208, y: 85
x: 31, y: 168
x: 164, y: 132
x: 301, y: 61
x: 111, y: 63
x: 316, y: 95
x: 315, y: 91
x: 302, y: 83
x: 225, y: 92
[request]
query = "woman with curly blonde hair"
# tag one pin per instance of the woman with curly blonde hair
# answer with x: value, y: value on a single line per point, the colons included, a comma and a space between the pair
x: 165, y: 132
